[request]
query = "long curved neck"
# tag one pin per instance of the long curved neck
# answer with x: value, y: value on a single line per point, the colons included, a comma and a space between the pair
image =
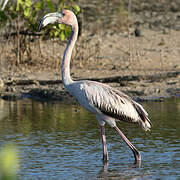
x: 65, y: 68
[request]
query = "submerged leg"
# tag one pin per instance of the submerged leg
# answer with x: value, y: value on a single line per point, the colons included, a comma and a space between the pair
x: 104, y: 146
x: 136, y: 153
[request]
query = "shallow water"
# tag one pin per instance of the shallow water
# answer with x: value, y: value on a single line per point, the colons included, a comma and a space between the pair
x: 58, y: 141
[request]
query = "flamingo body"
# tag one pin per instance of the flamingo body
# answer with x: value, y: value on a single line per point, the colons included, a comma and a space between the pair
x: 107, y: 103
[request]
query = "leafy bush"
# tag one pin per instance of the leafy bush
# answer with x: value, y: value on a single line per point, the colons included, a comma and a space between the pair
x: 29, y: 13
x: 21, y: 18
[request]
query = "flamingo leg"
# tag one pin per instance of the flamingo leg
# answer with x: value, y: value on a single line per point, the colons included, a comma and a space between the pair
x: 104, y: 146
x: 136, y: 153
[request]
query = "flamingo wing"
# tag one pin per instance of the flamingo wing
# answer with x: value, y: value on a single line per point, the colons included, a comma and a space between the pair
x: 115, y: 104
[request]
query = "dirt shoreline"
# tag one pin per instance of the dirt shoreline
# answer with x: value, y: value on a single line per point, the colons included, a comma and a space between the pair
x: 139, y: 87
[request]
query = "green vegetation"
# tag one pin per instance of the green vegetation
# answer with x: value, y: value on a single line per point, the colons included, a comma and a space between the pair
x: 28, y: 12
x: 21, y: 17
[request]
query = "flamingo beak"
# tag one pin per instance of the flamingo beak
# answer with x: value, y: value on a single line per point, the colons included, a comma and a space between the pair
x: 50, y: 18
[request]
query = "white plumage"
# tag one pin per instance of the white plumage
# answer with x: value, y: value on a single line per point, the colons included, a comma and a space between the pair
x: 102, y: 99
x: 106, y: 102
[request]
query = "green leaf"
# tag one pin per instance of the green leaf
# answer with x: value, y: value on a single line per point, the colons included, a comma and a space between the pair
x: 76, y: 9
x: 56, y: 33
x: 11, y: 8
x: 50, y: 5
x: 61, y: 26
x: 33, y: 14
x: 62, y: 36
x: 39, y: 5
x: 27, y: 12
x: 54, y: 27
x: 17, y: 6
x: 28, y: 3
x: 19, y: 3
x: 67, y: 31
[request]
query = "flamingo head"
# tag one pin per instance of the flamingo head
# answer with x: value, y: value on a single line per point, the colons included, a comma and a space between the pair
x: 63, y: 17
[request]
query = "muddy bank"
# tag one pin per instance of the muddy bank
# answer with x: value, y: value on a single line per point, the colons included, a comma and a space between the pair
x: 141, y: 87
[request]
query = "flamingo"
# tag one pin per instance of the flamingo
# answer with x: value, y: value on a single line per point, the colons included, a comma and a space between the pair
x: 107, y: 103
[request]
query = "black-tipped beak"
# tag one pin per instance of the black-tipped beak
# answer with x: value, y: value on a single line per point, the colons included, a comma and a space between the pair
x: 50, y: 18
